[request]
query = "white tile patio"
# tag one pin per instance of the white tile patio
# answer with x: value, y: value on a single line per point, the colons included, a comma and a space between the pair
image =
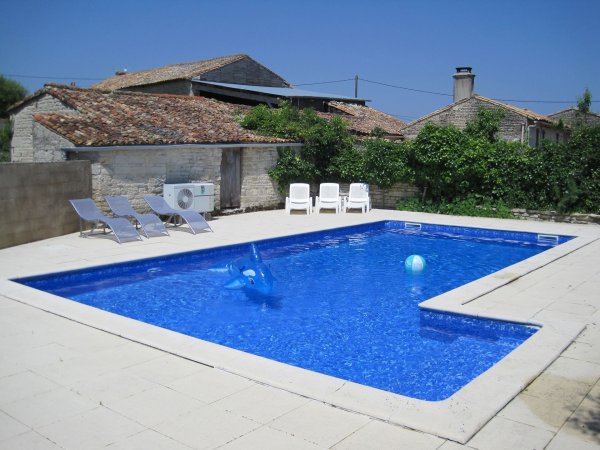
x: 65, y: 384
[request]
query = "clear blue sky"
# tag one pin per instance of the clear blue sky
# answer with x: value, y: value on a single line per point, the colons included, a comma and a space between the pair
x: 524, y: 50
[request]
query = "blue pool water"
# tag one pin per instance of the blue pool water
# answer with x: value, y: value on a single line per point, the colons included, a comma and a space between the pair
x: 342, y: 303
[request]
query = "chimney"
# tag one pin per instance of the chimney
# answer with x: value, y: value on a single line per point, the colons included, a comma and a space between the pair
x: 464, y: 81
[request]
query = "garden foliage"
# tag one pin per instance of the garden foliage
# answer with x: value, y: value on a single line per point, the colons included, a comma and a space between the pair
x: 460, y: 172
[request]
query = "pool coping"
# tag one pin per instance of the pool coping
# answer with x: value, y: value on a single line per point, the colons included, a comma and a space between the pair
x: 456, y: 418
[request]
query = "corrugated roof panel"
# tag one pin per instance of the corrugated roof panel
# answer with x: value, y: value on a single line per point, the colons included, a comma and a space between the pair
x: 277, y: 91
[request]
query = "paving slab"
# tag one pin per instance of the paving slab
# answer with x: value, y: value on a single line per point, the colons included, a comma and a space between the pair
x: 48, y: 407
x: 320, y: 424
x: 261, y: 403
x: 28, y: 441
x: 92, y: 430
x: 42, y: 351
x: 206, y: 427
x: 377, y: 435
x: 504, y: 434
x: 10, y: 427
x: 267, y: 438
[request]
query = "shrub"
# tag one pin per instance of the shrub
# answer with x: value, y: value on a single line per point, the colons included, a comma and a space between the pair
x: 291, y: 168
x: 469, y: 206
x: 384, y: 163
x: 5, y: 136
x: 323, y: 140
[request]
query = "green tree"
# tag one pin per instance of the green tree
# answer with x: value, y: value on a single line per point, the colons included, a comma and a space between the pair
x: 291, y: 168
x: 584, y: 103
x: 11, y: 92
x: 435, y: 157
x: 486, y: 124
x: 324, y: 140
x: 384, y: 163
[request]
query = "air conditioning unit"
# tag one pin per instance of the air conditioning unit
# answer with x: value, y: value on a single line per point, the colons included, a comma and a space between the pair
x: 198, y: 197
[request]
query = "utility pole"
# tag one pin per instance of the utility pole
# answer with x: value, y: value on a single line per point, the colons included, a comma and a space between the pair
x: 356, y: 86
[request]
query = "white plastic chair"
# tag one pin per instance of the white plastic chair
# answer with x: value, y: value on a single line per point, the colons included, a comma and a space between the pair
x: 358, y: 197
x: 299, y: 198
x: 329, y: 197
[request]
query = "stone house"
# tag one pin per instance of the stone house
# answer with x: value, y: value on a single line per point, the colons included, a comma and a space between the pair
x: 572, y: 116
x: 239, y: 79
x: 170, y: 125
x: 136, y: 142
x: 518, y: 125
x: 178, y: 78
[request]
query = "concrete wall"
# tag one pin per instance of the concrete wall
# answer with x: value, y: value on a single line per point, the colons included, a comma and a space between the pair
x: 27, y: 133
x: 513, y: 127
x: 34, y: 200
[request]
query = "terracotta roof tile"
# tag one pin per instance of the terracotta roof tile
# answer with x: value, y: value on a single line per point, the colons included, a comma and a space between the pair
x: 521, y: 111
x: 180, y: 71
x: 363, y: 120
x: 109, y: 118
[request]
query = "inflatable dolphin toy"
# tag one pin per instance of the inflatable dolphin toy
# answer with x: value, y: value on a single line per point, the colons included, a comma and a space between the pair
x: 250, y: 273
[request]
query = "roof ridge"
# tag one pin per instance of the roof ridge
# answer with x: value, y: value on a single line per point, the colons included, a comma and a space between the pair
x: 234, y: 57
x: 169, y: 72
x: 437, y: 111
x: 523, y: 111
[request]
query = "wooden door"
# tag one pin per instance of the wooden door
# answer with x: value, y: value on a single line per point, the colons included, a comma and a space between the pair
x: 231, y: 178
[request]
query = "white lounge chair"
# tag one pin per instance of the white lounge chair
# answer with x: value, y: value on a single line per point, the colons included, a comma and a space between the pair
x: 358, y: 197
x: 87, y: 211
x: 299, y: 198
x: 329, y: 197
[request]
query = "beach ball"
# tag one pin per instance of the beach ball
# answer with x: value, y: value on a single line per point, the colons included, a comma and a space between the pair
x: 414, y: 264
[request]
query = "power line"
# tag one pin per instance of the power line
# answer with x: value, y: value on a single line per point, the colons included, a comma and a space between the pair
x: 423, y: 91
x: 405, y: 88
x: 324, y: 82
x: 439, y: 93
x: 497, y: 99
x: 538, y: 101
x: 15, y: 75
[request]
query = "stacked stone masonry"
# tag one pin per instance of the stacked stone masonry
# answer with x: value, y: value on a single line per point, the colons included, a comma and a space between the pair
x: 513, y: 128
x: 245, y: 71
x: 258, y: 189
x: 553, y: 216
x: 176, y: 87
x: 32, y: 142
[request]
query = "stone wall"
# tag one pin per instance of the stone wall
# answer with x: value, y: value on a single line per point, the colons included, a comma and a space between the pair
x: 34, y: 200
x: 383, y: 199
x: 572, y: 116
x: 47, y: 145
x: 138, y: 172
x: 513, y: 128
x: 258, y: 189
x: 26, y: 131
x: 245, y: 71
x: 554, y: 216
x: 175, y: 87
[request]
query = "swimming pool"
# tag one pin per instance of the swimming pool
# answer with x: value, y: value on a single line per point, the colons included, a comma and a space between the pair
x: 342, y: 303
